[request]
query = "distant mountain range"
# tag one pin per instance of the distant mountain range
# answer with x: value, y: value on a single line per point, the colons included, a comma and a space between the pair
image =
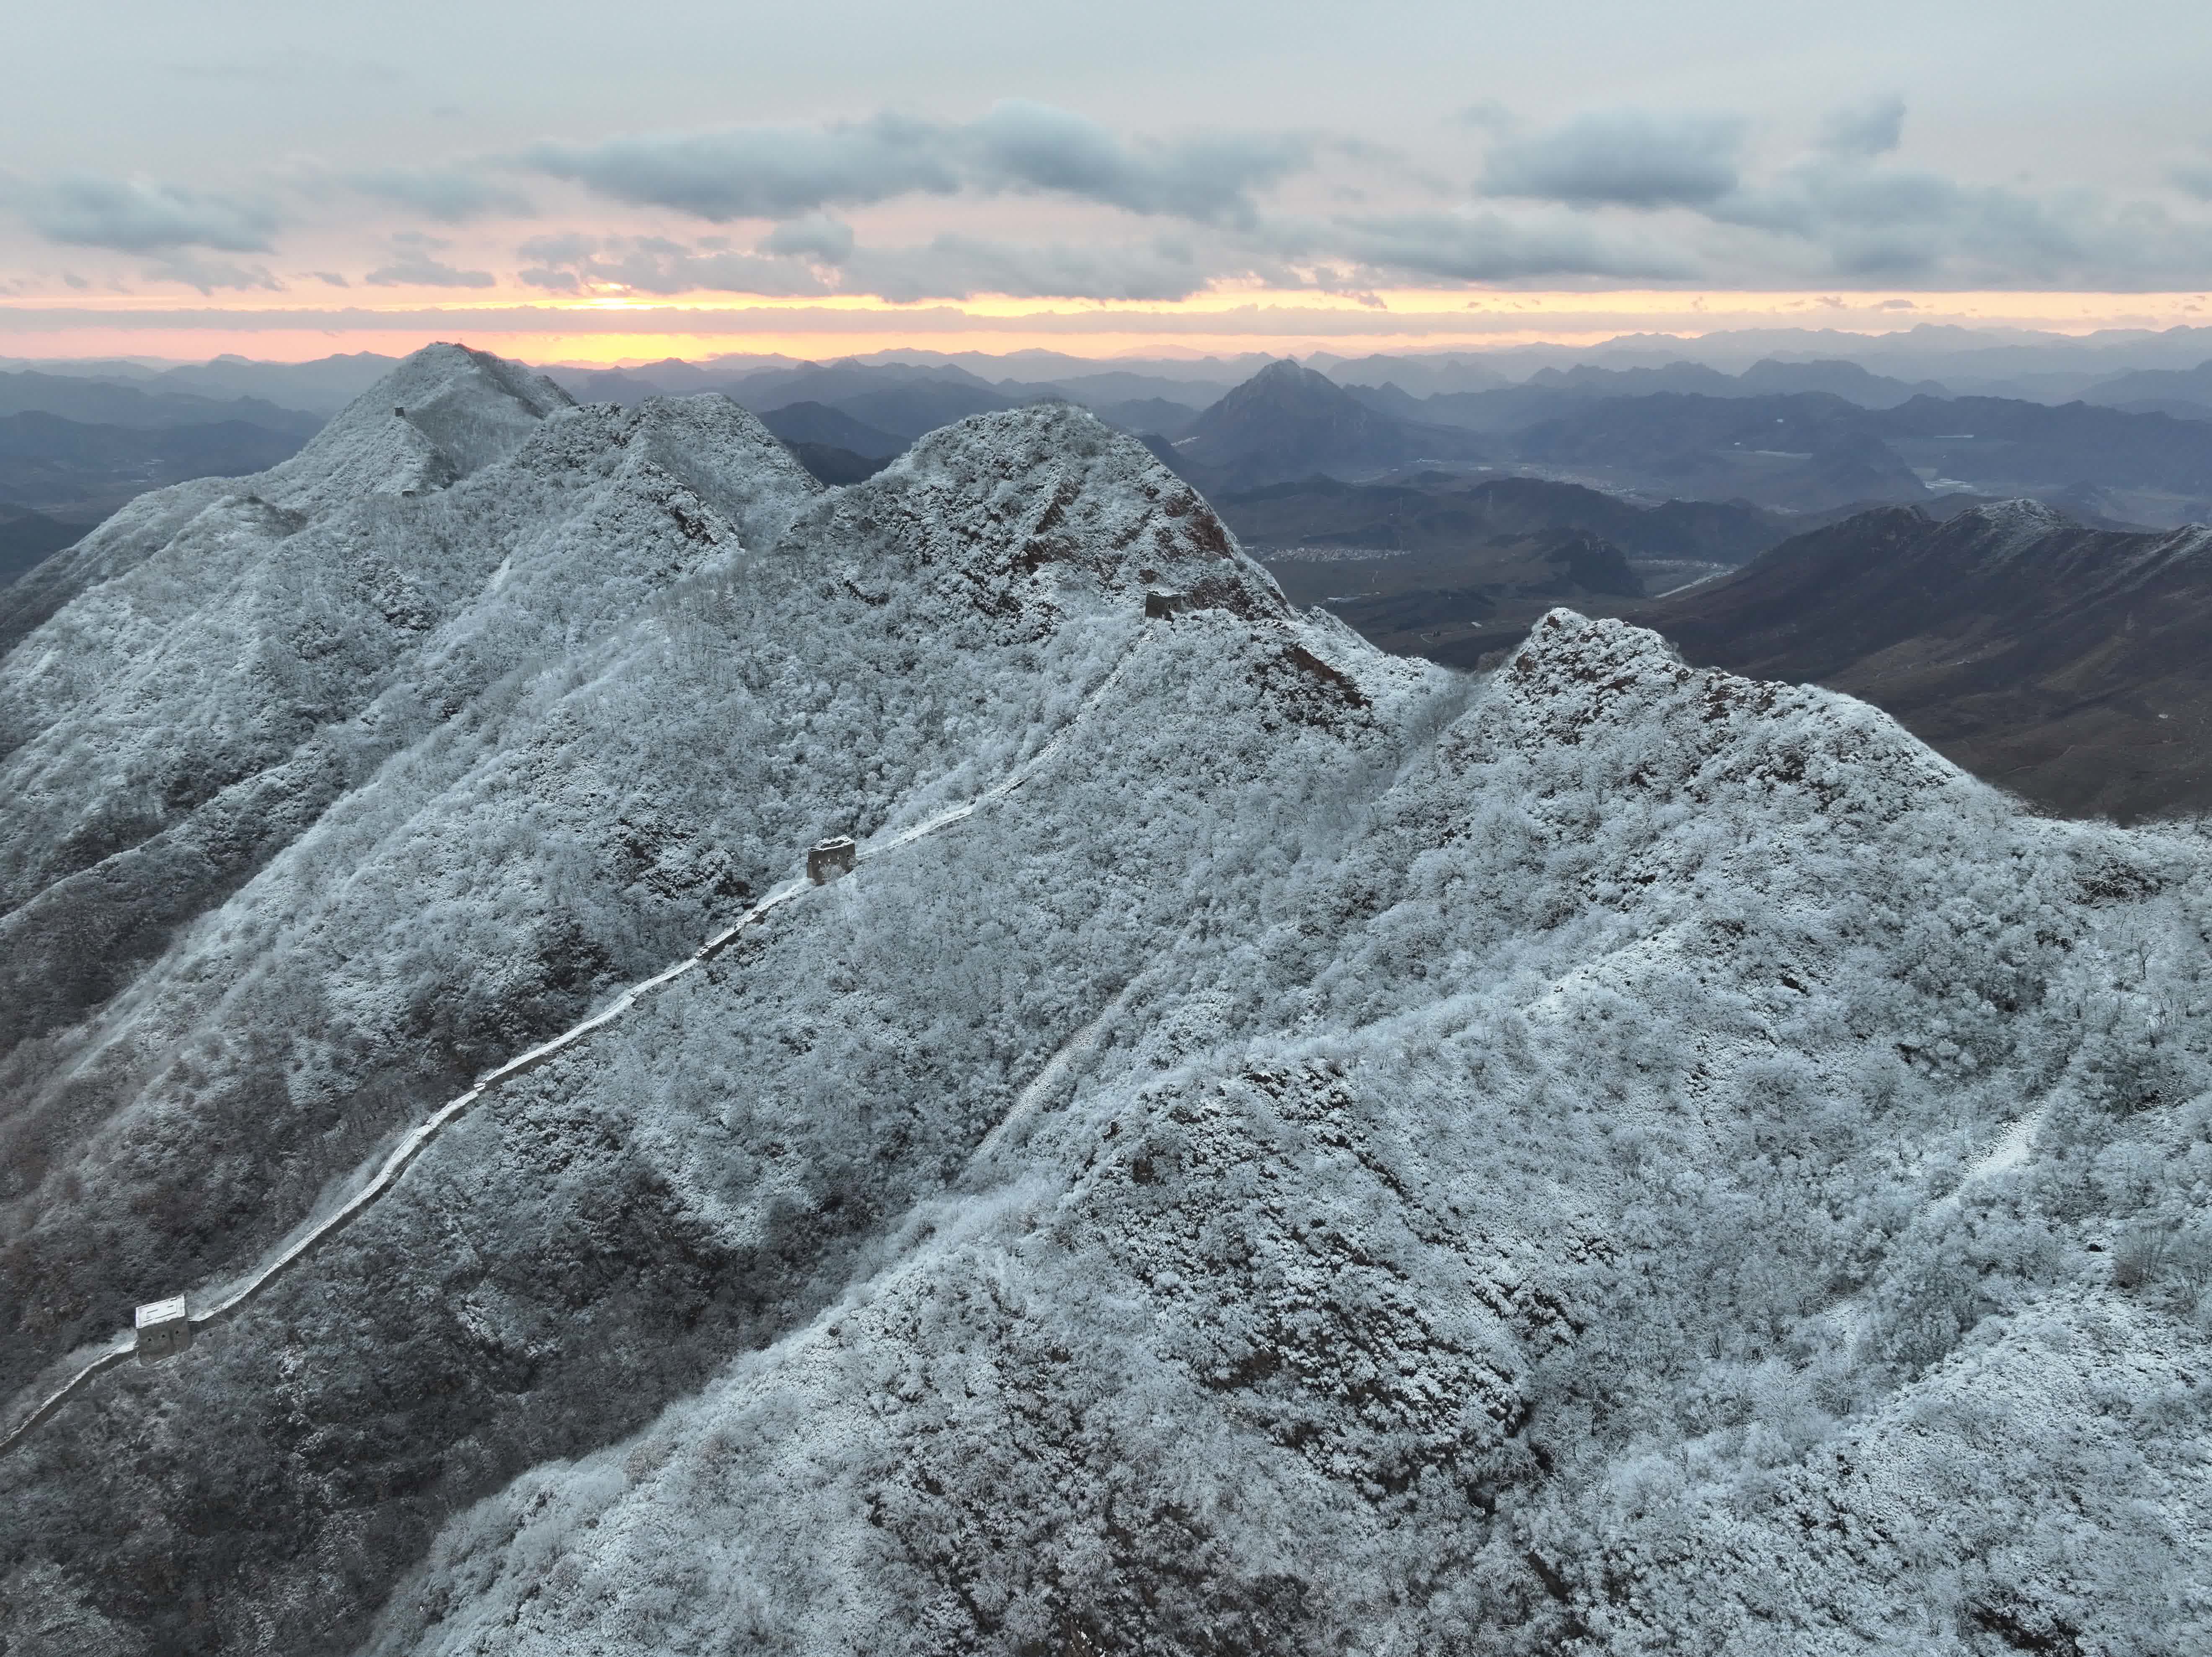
x: 1808, y: 438
x: 104, y: 403
x: 72, y: 468
x: 2071, y: 665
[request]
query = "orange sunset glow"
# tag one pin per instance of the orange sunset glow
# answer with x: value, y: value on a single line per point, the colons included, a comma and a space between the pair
x: 614, y: 329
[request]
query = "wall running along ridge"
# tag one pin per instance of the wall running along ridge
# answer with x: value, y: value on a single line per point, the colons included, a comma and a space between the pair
x: 226, y: 1302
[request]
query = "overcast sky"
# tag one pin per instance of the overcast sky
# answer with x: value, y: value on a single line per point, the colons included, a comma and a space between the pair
x: 238, y: 171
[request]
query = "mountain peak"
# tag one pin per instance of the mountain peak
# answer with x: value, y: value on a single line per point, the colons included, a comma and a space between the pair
x: 1287, y: 422
x: 441, y: 413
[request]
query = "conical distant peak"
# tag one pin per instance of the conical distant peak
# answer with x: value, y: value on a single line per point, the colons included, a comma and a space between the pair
x: 1287, y: 372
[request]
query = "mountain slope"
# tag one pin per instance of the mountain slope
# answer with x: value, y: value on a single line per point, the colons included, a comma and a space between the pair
x: 2066, y: 664
x: 27, y: 539
x: 818, y: 423
x: 1273, y: 1147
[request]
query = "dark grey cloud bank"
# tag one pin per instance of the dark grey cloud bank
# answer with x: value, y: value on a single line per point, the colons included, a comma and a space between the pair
x: 415, y: 264
x: 79, y: 210
x: 1608, y: 196
x: 784, y: 172
x: 448, y: 195
x: 1619, y: 195
x: 820, y: 256
x: 1621, y: 158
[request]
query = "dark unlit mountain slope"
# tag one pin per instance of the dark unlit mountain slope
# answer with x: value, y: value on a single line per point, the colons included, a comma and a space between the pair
x: 902, y: 400
x: 1274, y: 1148
x: 2071, y: 665
x: 27, y: 538
x: 1804, y: 451
x: 1436, y: 566
x: 71, y: 466
x: 1421, y: 604
x: 1287, y: 422
x: 1440, y: 513
x: 818, y: 423
x: 2186, y: 388
x: 93, y: 401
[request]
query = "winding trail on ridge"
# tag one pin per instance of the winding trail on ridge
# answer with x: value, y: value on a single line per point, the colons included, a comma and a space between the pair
x: 212, y: 1306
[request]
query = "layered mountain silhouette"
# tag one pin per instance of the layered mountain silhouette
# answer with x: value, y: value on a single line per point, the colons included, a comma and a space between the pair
x: 1267, y: 1146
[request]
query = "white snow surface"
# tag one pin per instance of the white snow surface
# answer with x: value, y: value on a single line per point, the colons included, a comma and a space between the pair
x: 1274, y: 1148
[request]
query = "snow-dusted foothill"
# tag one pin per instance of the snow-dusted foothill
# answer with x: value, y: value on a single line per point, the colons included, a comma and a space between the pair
x: 1305, y: 1152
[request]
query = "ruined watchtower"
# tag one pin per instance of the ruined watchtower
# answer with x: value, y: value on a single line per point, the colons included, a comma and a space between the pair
x: 829, y: 858
x: 164, y: 1329
x: 1161, y: 606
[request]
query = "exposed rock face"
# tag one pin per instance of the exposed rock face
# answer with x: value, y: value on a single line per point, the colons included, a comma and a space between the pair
x: 2066, y: 664
x: 1273, y: 1148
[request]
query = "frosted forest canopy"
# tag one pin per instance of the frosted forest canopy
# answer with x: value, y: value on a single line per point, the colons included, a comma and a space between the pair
x: 1598, y: 1155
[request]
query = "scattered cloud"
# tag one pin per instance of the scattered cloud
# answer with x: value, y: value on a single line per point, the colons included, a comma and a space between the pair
x: 415, y: 264
x: 139, y: 216
x: 210, y: 275
x: 962, y: 267
x: 1622, y: 159
x: 820, y: 256
x: 1207, y: 178
x: 1896, y: 224
x: 569, y: 263
x: 818, y: 237
x: 759, y: 171
x: 1491, y: 116
x: 450, y: 195
x: 1869, y: 128
x: 1607, y: 196
x: 792, y: 172
x: 1490, y: 247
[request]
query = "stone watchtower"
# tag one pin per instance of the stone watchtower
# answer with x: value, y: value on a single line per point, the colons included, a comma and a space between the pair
x: 829, y: 858
x: 164, y: 1329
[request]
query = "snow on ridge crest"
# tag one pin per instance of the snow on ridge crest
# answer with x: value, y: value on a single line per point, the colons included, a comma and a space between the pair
x: 1600, y: 683
x: 444, y: 412
x: 1051, y: 489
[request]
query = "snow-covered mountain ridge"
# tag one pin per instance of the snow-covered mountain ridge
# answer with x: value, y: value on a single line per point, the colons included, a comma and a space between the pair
x: 1343, y: 1156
